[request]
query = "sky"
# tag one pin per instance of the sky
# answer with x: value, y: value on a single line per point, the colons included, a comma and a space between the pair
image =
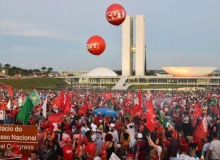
x: 53, y: 33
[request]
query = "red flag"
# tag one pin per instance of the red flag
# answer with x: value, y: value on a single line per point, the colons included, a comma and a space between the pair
x: 55, y: 118
x: 135, y: 110
x: 67, y: 104
x: 150, y: 116
x: 59, y: 101
x: 216, y: 110
x: 202, y: 129
x: 197, y: 113
x: 107, y: 96
x: 10, y: 92
x: 140, y: 99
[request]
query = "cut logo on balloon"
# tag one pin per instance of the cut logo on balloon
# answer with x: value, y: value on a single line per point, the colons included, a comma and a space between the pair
x: 119, y: 14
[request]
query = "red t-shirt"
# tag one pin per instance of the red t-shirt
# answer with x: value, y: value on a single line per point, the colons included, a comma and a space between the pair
x: 117, y: 126
x: 68, y: 152
x: 91, y: 149
x: 182, y: 141
x: 85, y: 141
x: 161, y: 130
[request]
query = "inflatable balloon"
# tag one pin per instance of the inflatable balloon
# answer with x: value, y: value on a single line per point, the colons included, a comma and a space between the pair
x: 96, y: 45
x: 115, y: 14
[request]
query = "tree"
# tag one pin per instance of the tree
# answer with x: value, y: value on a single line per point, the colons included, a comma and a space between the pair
x: 49, y: 69
x: 0, y: 65
x: 14, y: 70
x: 7, y: 66
x: 43, y: 68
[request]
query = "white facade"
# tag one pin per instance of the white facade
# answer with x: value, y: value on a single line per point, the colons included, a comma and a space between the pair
x: 127, y: 42
x: 140, y: 46
x: 128, y: 48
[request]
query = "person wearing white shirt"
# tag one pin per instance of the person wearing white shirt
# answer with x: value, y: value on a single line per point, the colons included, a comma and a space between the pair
x: 214, y: 151
x: 205, y: 148
x: 114, y: 133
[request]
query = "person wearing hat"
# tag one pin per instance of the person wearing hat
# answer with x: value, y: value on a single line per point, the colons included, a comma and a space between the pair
x: 114, y: 133
x: 100, y: 126
x: 140, y: 148
x: 67, y: 152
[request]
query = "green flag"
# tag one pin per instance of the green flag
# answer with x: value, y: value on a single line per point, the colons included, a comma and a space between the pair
x: 162, y: 118
x: 34, y: 98
x: 24, y: 113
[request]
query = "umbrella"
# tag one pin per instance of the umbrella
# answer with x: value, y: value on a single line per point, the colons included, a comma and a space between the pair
x: 105, y: 112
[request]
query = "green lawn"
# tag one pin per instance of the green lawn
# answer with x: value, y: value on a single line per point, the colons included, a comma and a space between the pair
x: 30, y: 83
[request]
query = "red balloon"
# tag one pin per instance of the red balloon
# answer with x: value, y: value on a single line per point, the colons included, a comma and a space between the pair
x: 96, y: 45
x: 115, y: 14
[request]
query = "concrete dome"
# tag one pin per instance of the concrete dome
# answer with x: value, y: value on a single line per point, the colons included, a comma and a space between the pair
x: 102, y: 72
x: 189, y: 71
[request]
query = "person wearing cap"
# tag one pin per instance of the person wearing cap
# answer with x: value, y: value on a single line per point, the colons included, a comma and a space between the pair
x: 114, y: 133
x: 103, y: 155
x: 49, y: 134
x: 91, y: 148
x: 130, y: 156
x: 140, y: 148
x: 67, y: 152
x: 15, y: 151
x: 100, y: 126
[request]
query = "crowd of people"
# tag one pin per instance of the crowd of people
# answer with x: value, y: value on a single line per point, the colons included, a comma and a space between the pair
x: 72, y: 131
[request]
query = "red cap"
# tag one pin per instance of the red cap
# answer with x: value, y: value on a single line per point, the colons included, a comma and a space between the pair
x: 48, y: 130
x: 102, y: 152
x: 130, y: 155
x: 68, y: 140
x: 15, y: 145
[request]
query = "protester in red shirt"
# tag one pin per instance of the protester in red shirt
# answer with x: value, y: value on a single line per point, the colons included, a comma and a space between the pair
x: 91, y: 148
x: 15, y: 151
x: 67, y: 150
x: 182, y: 140
x: 160, y: 130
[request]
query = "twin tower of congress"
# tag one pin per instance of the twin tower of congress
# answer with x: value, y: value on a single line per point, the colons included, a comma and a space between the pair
x: 133, y: 43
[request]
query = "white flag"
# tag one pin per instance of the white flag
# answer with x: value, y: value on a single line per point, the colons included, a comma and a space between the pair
x: 114, y: 157
x: 44, y: 107
x: 20, y: 100
x: 9, y: 105
x: 2, y: 114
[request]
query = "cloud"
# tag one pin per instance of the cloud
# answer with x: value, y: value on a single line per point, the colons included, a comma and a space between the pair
x: 13, y: 28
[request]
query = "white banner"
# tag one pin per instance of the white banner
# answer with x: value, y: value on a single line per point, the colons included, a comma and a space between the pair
x: 2, y: 114
x: 114, y: 157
